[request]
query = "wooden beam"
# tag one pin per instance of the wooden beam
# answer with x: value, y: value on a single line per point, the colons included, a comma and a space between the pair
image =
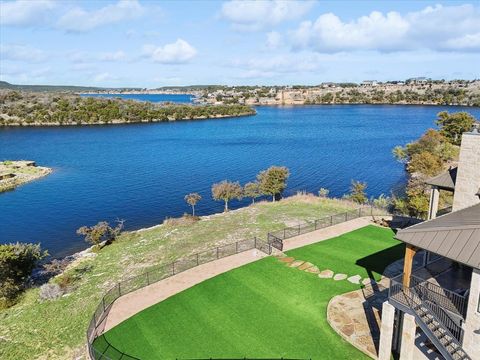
x: 410, y: 252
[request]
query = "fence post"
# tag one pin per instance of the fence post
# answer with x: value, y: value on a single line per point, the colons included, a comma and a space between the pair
x: 119, y: 290
x: 197, y: 260
x: 284, y: 233
x: 359, y: 212
x: 148, y: 279
x: 346, y: 216
x: 103, y: 303
x: 315, y: 224
x: 217, y: 252
x: 173, y: 268
x: 298, y: 229
x: 236, y: 247
x: 255, y: 241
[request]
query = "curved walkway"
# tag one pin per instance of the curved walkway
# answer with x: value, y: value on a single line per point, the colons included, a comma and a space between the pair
x: 136, y: 301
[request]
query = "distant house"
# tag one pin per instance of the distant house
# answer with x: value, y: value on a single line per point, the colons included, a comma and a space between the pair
x: 418, y: 80
x: 369, y: 83
x: 328, y: 85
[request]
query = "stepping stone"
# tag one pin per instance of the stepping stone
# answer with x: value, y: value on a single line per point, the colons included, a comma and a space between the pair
x: 296, y: 263
x: 326, y: 274
x: 339, y: 277
x: 287, y: 259
x: 305, y: 266
x: 368, y: 281
x: 313, y: 270
x: 355, y: 279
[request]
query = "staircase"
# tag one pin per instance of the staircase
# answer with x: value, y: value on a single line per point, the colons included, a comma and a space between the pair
x: 442, y: 331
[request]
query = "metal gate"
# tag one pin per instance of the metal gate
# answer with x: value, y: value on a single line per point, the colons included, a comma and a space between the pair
x: 275, y: 242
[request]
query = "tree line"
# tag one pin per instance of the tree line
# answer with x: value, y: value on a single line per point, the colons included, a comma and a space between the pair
x: 270, y: 182
x: 21, y: 108
x: 434, y: 152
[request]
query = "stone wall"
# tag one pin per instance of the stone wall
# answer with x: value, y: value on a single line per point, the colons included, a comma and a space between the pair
x: 471, y: 337
x: 468, y: 176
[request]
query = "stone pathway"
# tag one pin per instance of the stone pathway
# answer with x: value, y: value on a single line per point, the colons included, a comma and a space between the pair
x: 322, y: 274
x: 351, y: 315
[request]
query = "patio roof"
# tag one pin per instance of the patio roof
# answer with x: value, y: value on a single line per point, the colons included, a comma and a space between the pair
x: 455, y: 235
x: 445, y: 181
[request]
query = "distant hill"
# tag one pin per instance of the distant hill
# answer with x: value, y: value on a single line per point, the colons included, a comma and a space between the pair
x: 6, y: 85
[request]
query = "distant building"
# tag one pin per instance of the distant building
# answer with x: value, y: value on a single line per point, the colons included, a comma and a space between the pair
x: 369, y: 83
x: 417, y: 80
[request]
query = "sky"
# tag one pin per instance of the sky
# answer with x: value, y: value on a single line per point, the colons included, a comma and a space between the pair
x: 134, y: 43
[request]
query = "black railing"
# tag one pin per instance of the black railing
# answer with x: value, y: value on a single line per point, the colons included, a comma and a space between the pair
x: 275, y: 238
x: 106, y: 351
x: 445, y: 298
x: 413, y: 298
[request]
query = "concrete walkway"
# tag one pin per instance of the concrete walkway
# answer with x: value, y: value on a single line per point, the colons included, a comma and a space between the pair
x: 136, y: 301
x: 326, y: 233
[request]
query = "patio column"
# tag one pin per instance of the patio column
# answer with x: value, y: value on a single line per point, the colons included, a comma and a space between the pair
x: 386, y: 331
x: 408, y: 337
x: 410, y: 252
x: 433, y: 205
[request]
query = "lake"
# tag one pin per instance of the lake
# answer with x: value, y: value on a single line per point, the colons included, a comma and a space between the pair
x: 141, y: 172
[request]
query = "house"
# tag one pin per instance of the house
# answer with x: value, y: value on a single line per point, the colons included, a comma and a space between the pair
x: 369, y: 83
x: 438, y: 301
x: 418, y: 80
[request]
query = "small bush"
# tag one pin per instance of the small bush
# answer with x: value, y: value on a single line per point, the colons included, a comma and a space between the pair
x: 16, y: 264
x: 50, y: 292
x: 323, y: 193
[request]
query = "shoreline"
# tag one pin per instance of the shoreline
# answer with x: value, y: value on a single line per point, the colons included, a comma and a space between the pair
x: 121, y: 122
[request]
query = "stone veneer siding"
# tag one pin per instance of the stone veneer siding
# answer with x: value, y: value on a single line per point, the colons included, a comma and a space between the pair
x: 468, y: 176
x: 471, y: 336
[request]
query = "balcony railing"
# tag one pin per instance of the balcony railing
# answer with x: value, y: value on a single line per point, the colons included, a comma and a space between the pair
x: 447, y: 299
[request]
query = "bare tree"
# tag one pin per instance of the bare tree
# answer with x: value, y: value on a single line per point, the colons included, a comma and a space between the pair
x: 192, y: 199
x: 226, y: 191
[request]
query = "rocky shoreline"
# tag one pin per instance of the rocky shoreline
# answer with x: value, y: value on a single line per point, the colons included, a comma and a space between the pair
x: 120, y: 122
x: 16, y: 173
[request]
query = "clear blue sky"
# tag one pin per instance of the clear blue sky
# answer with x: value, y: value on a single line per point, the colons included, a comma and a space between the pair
x: 156, y: 43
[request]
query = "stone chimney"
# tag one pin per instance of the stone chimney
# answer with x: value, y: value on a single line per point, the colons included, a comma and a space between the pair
x: 467, y: 185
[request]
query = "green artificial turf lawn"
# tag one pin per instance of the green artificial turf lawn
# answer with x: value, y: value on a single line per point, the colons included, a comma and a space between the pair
x: 366, y: 252
x: 261, y: 310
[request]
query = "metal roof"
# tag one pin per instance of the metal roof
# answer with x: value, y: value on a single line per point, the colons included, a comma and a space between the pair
x: 455, y: 235
x: 445, y: 180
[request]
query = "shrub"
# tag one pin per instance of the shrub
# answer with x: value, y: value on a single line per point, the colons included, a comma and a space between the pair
x: 323, y: 193
x: 50, y: 292
x: 357, y: 192
x: 101, y: 232
x: 16, y: 264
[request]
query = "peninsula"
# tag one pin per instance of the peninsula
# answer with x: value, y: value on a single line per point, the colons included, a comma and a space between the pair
x: 15, y: 173
x: 22, y: 108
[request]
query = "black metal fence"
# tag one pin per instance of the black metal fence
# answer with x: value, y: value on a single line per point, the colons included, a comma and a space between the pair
x: 276, y: 238
x: 98, y: 346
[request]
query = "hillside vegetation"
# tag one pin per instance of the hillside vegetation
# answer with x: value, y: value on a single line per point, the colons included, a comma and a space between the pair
x: 55, y: 329
x: 31, y: 108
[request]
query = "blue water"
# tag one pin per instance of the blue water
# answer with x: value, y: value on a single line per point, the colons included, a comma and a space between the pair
x: 175, y: 98
x: 141, y: 172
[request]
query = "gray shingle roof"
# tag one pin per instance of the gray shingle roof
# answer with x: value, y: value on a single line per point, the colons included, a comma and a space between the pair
x: 455, y: 236
x: 445, y: 180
